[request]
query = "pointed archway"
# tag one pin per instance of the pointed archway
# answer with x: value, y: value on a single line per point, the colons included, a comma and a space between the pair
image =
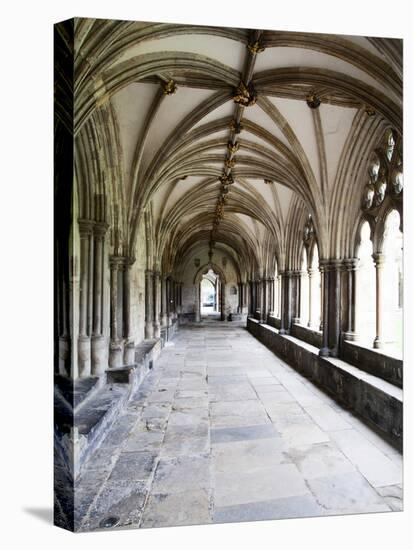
x: 214, y: 275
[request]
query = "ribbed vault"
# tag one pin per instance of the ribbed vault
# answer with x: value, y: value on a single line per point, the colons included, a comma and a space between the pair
x: 228, y: 138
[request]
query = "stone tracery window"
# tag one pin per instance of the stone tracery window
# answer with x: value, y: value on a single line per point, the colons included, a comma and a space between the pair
x: 384, y: 177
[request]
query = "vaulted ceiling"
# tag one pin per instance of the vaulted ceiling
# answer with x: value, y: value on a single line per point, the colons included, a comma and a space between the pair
x: 229, y: 138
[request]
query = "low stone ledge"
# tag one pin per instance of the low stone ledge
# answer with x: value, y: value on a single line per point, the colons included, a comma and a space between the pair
x: 120, y: 375
x: 372, y: 398
x: 307, y: 334
x: 375, y: 362
x: 274, y: 321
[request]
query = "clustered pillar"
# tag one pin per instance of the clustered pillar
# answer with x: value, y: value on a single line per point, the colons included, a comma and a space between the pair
x: 91, y: 342
x: 271, y: 300
x: 351, y: 271
x: 156, y: 304
x: 223, y: 304
x: 148, y: 304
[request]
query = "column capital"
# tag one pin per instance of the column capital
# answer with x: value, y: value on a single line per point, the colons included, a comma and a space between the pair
x: 351, y: 264
x: 379, y: 259
x: 332, y: 264
x: 85, y: 227
x: 100, y: 229
x: 116, y: 262
x: 128, y: 262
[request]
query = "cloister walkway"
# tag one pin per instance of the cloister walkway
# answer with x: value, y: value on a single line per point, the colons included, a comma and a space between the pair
x: 223, y: 430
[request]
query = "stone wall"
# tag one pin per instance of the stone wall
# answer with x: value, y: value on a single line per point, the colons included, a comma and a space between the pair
x: 374, y: 362
x: 311, y: 336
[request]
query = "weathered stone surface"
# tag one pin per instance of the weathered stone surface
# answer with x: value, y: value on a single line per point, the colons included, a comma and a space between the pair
x: 186, y: 508
x: 133, y: 466
x: 211, y: 455
x: 288, y: 507
x: 346, y: 493
x: 123, y: 499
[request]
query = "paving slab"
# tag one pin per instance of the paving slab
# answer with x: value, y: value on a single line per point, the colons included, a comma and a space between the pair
x: 223, y: 430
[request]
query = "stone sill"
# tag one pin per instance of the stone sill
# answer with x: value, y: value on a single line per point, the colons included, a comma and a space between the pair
x: 374, y: 361
x: 307, y: 334
x: 274, y: 321
x: 380, y: 351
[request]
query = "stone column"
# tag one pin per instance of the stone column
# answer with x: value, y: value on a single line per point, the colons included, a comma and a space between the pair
x: 379, y: 264
x: 324, y: 270
x: 351, y: 268
x: 285, y: 302
x: 258, y: 299
x: 279, y: 298
x: 197, y: 302
x: 251, y: 301
x: 271, y: 296
x: 164, y: 317
x: 98, y: 340
x: 148, y: 304
x: 263, y: 300
x: 65, y: 348
x: 172, y: 298
x: 129, y: 346
x: 223, y: 314
x: 168, y: 302
x: 296, y: 296
x: 321, y: 299
x: 156, y: 304
x: 334, y: 307
x: 115, y: 349
x: 84, y: 346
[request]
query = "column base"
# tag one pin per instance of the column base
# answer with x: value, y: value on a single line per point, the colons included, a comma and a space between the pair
x: 283, y: 331
x: 115, y: 354
x: 99, y: 354
x: 156, y: 330
x: 129, y: 353
x: 84, y: 356
x: 324, y: 352
x: 149, y: 331
x: 378, y: 344
x: 350, y: 336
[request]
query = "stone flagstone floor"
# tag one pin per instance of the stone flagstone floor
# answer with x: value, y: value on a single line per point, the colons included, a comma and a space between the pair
x: 224, y: 431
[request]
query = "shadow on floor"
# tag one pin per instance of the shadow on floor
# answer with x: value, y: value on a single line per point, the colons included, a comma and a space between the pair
x: 44, y: 514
